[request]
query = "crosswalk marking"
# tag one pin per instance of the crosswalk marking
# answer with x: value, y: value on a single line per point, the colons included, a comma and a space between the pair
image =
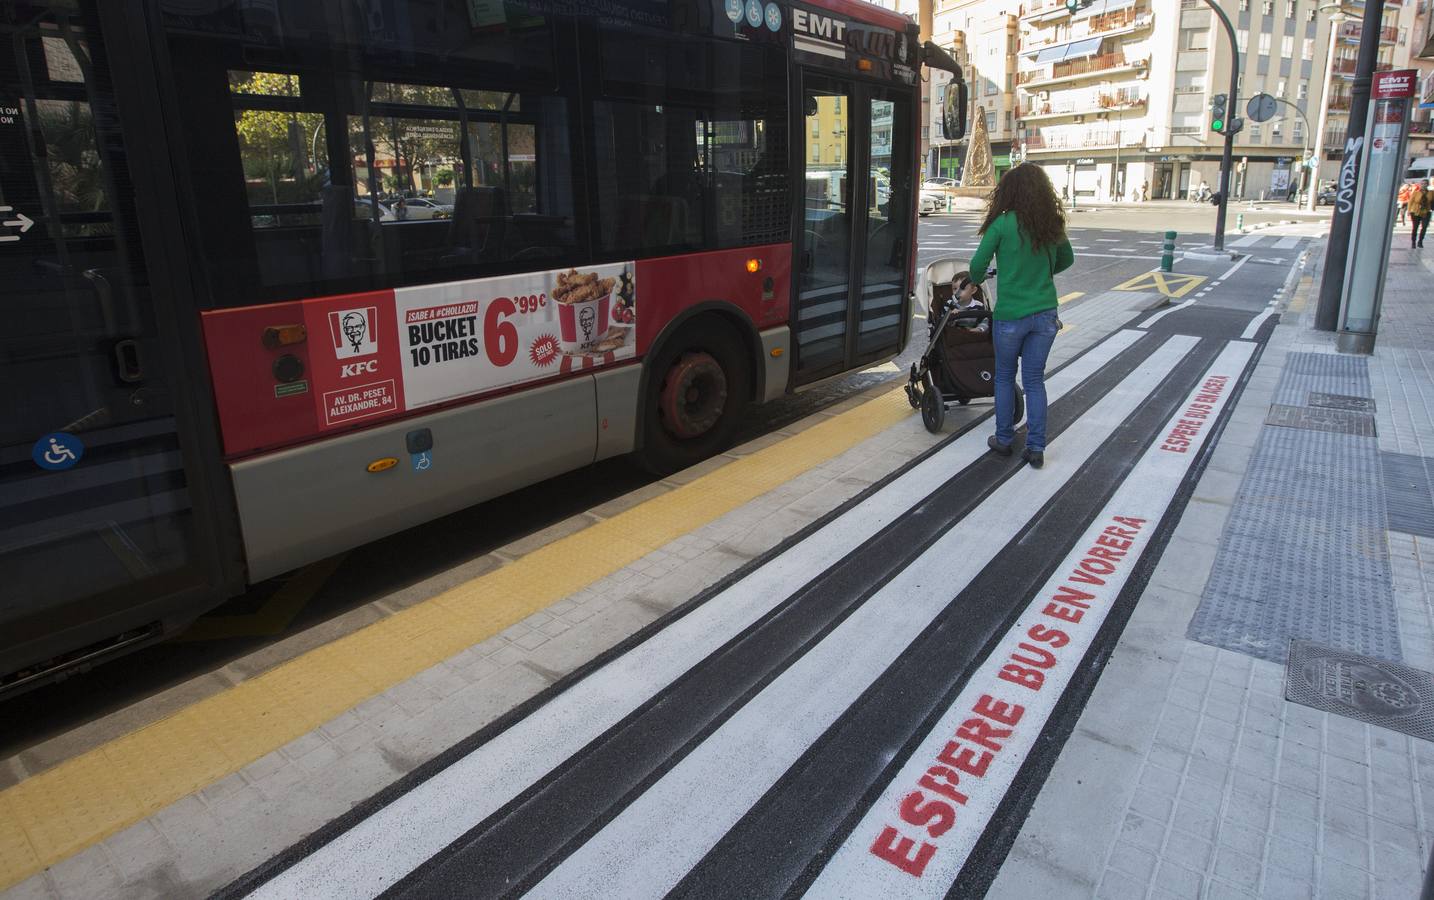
x: 688, y: 758
x: 709, y: 789
x: 1287, y: 243
x: 382, y: 848
x: 887, y: 854
x: 1066, y: 298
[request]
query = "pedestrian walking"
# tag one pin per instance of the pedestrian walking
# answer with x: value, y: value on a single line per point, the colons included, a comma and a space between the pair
x: 1144, y: 191
x: 1025, y: 232
x: 1405, y: 190
x: 1419, y: 203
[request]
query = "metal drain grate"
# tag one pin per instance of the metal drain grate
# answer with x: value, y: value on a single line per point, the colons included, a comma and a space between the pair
x: 1361, y: 687
x: 1317, y: 418
x: 1408, y: 495
x: 1341, y: 401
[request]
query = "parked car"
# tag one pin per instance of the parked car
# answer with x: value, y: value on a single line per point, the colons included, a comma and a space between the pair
x: 1325, y: 197
x: 423, y: 208
x: 938, y: 184
x: 930, y: 202
x: 363, y: 209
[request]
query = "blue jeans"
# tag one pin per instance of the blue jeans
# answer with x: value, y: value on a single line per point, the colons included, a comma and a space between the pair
x: 1028, y: 339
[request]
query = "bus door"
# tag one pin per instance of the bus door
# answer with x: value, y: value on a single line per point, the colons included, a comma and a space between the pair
x: 852, y: 268
x: 98, y: 533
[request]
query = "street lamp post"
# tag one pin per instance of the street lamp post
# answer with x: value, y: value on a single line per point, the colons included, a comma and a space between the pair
x: 1336, y: 18
x: 1227, y: 154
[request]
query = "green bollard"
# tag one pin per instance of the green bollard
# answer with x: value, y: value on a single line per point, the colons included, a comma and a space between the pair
x: 1240, y: 222
x: 1167, y: 252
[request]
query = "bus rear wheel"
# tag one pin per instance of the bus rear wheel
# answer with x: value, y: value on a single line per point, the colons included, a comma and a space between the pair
x: 696, y: 394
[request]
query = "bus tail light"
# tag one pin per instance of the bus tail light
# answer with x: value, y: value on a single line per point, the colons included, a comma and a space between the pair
x: 276, y: 336
x: 754, y: 265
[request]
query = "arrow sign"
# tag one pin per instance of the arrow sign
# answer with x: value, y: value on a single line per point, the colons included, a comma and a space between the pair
x: 23, y: 221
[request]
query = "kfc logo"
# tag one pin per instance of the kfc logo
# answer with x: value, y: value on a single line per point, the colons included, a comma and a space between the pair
x: 353, y: 331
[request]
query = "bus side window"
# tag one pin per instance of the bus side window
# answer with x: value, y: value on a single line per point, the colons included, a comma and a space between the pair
x: 411, y: 157
x: 691, y: 144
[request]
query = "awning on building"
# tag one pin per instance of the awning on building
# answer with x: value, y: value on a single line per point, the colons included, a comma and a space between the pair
x: 1082, y: 49
x: 1100, y: 7
x: 1077, y: 49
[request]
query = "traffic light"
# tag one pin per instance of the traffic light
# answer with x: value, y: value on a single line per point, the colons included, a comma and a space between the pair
x: 1217, y: 112
x: 1077, y: 5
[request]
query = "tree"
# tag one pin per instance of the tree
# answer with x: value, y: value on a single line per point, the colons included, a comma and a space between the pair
x: 274, y: 145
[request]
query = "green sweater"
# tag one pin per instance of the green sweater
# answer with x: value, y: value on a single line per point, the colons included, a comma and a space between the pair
x: 1028, y: 283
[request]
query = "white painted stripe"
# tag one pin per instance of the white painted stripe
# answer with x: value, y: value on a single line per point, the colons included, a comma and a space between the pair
x: 1248, y: 240
x: 1145, y: 494
x: 823, y: 48
x: 1233, y: 269
x: 1255, y: 324
x: 374, y: 854
x: 1287, y: 243
x: 1108, y: 240
x: 1126, y: 255
x: 707, y: 792
x: 1165, y: 312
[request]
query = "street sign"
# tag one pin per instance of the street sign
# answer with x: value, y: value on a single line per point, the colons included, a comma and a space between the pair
x: 1262, y: 107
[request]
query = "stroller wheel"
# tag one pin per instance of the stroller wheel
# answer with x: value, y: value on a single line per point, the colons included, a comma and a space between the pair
x: 963, y: 400
x: 933, y: 408
x: 1020, y: 411
x: 913, y: 389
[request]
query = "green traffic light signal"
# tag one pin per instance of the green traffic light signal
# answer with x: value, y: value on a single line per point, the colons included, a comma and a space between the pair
x: 1217, y: 112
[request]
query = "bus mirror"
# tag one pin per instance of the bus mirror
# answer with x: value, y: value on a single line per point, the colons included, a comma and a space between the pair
x: 953, y: 112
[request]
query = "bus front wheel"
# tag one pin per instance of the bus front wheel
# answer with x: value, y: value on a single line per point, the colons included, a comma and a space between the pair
x: 697, y: 390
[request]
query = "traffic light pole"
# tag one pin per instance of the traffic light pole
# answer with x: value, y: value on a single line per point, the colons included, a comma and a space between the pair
x: 1231, y: 118
x: 1331, y: 287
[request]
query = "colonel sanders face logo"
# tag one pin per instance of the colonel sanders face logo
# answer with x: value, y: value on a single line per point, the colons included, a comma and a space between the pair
x: 355, y: 325
x: 586, y: 319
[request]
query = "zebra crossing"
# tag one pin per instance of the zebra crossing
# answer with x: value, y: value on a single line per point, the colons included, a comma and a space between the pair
x: 852, y: 715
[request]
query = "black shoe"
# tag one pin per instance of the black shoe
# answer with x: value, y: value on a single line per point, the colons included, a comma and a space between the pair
x: 1036, y: 458
x: 998, y: 447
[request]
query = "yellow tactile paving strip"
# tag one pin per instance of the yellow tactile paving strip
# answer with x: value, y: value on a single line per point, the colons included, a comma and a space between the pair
x: 82, y: 801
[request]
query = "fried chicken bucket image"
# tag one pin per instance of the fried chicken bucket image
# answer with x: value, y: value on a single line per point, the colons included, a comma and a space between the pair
x: 584, y: 308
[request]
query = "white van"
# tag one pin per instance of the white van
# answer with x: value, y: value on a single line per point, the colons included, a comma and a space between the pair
x: 1421, y: 169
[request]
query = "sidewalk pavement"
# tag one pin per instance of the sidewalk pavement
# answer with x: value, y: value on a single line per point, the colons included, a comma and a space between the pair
x: 1190, y: 772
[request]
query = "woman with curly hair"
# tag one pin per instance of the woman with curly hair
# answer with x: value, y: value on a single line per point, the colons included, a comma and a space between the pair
x: 1025, y: 231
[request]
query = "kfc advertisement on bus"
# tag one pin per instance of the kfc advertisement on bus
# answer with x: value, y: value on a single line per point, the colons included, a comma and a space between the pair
x: 363, y: 357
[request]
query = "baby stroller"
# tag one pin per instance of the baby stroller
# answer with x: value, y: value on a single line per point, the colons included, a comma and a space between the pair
x: 959, y: 362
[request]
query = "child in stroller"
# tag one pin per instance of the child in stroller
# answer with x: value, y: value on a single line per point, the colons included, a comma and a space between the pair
x: 959, y: 362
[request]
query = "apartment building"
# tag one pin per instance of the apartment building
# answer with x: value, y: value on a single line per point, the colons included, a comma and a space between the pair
x: 1114, y: 98
x: 984, y: 37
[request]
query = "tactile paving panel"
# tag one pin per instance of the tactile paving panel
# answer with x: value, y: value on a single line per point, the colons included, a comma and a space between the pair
x: 1371, y: 690
x: 1304, y: 553
x: 1325, y: 373
x: 1342, y: 401
x: 1408, y: 494
x: 1320, y: 419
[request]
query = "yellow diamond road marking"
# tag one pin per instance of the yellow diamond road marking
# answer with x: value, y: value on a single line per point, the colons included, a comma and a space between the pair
x: 1171, y: 284
x: 59, y: 812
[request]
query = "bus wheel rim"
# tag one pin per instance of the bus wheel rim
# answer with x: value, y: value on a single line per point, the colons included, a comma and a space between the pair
x: 694, y: 394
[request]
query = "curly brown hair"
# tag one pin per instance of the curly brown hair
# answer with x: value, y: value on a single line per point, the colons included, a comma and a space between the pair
x: 1026, y: 191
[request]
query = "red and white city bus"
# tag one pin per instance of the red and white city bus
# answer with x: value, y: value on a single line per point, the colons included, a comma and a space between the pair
x: 281, y: 278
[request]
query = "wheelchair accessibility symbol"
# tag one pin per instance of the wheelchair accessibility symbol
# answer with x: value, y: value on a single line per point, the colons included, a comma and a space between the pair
x: 57, y: 452
x: 422, y: 462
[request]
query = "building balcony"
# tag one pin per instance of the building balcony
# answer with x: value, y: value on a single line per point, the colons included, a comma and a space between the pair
x: 1351, y: 31
x: 1104, y: 65
x: 1089, y: 104
x: 1124, y: 21
x: 1036, y: 142
x: 1345, y: 67
x: 1339, y: 103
